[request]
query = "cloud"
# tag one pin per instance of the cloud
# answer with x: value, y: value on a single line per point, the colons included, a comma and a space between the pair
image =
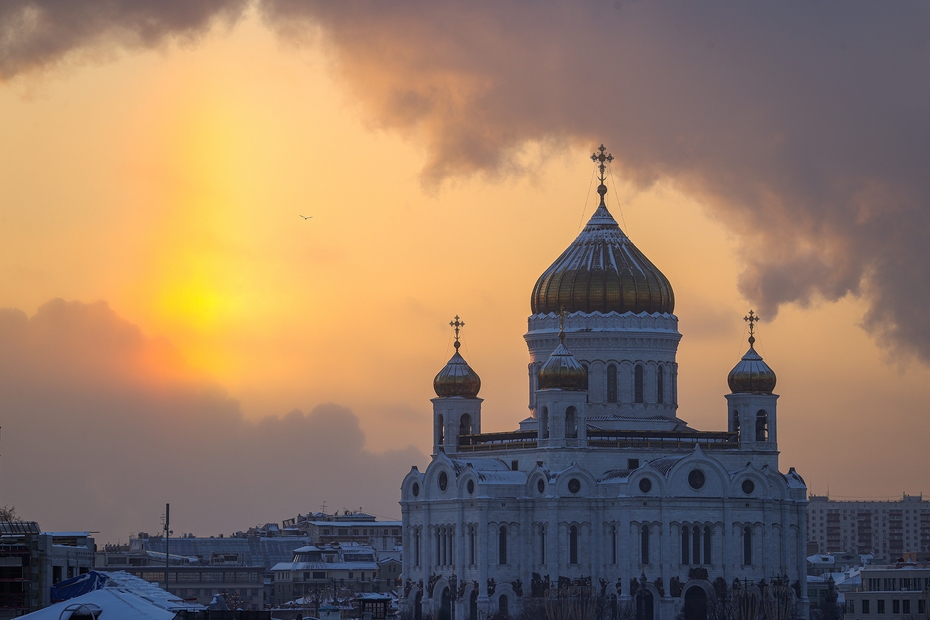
x: 803, y: 126
x: 36, y: 34
x: 102, y: 426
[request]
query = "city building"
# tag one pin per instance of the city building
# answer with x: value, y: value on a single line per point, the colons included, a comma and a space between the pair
x: 604, y: 486
x: 348, y: 527
x: 886, y: 529
x: 899, y: 591
x: 324, y: 571
x: 199, y: 568
x: 31, y: 561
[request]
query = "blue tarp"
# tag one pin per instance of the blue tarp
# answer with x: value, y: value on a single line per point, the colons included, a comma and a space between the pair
x: 76, y: 586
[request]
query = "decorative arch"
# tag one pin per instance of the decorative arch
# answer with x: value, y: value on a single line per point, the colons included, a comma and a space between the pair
x: 660, y: 384
x: 465, y: 425
x: 612, y: 383
x: 571, y: 423
x: 762, y: 425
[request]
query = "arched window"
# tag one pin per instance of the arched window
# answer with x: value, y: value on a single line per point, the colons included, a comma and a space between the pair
x: 542, y: 544
x: 586, y: 373
x: 416, y: 547
x: 696, y: 545
x: 471, y: 545
x: 439, y: 548
x: 747, y: 546
x: 762, y: 425
x: 660, y: 385
x: 644, y: 545
x: 613, y: 544
x: 707, y: 542
x: 685, y: 540
x: 502, y: 605
x: 544, y: 423
x: 502, y: 544
x: 573, y: 545
x: 736, y: 424
x: 638, y: 384
x: 571, y: 422
x: 611, y: 383
x: 465, y: 425
x: 442, y: 431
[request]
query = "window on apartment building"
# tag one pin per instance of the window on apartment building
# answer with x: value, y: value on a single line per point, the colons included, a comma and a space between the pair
x: 895, y: 606
x: 921, y: 606
x: 880, y: 605
x: 906, y: 606
x: 865, y: 607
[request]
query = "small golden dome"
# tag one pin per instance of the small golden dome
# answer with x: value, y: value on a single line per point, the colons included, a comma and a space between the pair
x: 457, y: 378
x: 751, y: 375
x: 562, y: 371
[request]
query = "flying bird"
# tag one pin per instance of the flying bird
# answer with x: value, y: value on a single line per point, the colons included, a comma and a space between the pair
x: 306, y: 217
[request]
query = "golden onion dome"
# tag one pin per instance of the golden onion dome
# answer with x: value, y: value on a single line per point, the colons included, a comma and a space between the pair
x: 457, y: 378
x: 602, y: 271
x: 751, y: 375
x: 562, y: 371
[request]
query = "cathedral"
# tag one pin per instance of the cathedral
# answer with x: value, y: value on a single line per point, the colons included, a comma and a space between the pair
x: 603, y: 486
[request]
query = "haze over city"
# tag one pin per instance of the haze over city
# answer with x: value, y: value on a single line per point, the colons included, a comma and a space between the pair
x: 174, y: 331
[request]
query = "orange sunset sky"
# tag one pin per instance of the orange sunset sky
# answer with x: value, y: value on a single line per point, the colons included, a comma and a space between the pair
x: 175, y: 332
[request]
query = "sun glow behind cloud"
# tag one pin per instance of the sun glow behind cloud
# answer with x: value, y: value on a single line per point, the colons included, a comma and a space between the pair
x: 169, y: 184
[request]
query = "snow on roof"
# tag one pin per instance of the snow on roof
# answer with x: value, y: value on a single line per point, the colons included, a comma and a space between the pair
x: 665, y: 463
x: 112, y: 602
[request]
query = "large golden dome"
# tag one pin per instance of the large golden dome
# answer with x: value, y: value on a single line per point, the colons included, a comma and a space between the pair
x: 602, y: 271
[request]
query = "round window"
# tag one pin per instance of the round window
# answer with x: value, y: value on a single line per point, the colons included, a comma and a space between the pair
x: 471, y: 487
x: 541, y: 485
x: 415, y: 489
x: 645, y: 485
x: 696, y: 479
x: 574, y: 485
x: 443, y: 481
x: 748, y: 487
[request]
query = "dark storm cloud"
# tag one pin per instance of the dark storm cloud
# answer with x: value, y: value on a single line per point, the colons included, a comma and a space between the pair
x: 102, y: 426
x: 35, y: 34
x: 805, y: 126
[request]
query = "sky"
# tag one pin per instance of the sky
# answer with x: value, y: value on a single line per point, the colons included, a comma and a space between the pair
x: 173, y: 331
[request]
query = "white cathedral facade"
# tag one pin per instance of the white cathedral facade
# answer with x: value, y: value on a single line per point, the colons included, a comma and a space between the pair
x: 603, y: 485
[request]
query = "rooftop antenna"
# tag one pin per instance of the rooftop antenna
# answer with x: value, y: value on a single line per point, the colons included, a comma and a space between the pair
x: 167, y: 537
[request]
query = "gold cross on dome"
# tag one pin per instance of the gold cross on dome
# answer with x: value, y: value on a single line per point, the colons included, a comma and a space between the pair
x: 752, y: 319
x: 602, y: 160
x: 457, y: 325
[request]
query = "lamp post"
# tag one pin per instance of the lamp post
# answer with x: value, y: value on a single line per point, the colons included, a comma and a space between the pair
x: 453, y: 594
